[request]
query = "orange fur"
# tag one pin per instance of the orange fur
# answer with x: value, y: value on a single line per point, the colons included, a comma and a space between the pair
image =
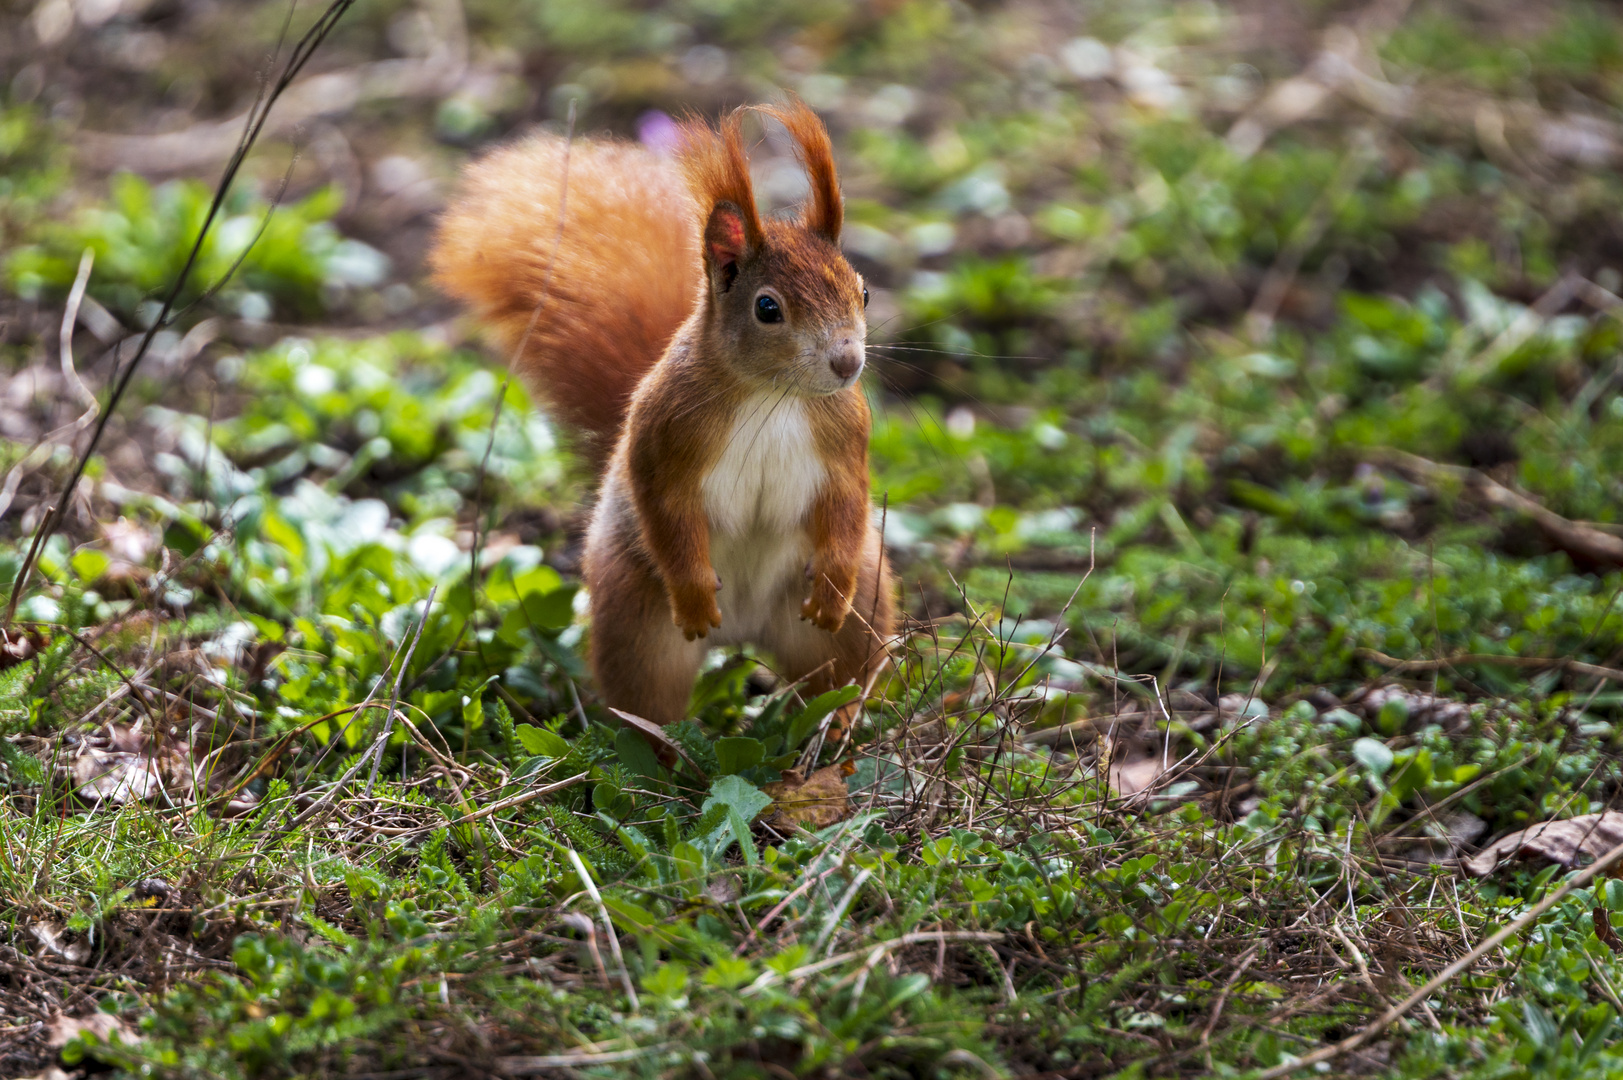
x: 825, y: 213
x: 625, y: 273
x: 691, y: 541
x: 718, y: 171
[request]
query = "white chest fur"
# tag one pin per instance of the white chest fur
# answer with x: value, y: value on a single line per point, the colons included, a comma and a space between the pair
x: 758, y: 498
x: 769, y: 471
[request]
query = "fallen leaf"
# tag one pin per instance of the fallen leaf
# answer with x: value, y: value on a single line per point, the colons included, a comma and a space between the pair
x: 17, y: 646
x: 1134, y: 775
x: 814, y: 801
x: 126, y: 775
x: 129, y: 541
x: 1418, y: 707
x: 53, y: 939
x: 1444, y: 840
x: 154, y: 889
x: 1561, y: 842
x: 64, y: 1029
x: 669, y: 749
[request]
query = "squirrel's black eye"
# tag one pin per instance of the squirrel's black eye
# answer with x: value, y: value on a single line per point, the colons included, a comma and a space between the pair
x: 767, y: 309
x: 865, y: 296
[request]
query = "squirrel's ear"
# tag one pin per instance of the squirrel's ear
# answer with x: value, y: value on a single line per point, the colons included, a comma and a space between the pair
x: 719, y: 175
x: 726, y: 243
x: 825, y: 211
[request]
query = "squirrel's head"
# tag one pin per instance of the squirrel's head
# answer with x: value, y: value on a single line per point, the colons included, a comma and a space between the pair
x: 783, y: 304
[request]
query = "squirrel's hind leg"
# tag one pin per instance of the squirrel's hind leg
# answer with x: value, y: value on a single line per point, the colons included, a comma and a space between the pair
x: 643, y: 664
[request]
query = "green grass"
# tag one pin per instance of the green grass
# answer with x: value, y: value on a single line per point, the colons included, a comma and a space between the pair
x: 1116, y: 499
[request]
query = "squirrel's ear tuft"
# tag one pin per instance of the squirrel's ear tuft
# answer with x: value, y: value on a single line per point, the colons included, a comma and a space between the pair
x: 825, y: 212
x: 718, y: 173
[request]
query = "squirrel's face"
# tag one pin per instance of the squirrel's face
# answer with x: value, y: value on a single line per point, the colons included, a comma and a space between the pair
x: 788, y: 310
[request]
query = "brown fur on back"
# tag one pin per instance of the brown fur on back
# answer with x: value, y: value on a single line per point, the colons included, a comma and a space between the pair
x: 626, y: 272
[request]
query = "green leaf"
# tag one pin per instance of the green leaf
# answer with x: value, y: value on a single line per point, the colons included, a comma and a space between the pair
x: 741, y: 832
x: 740, y: 801
x: 801, y: 727
x: 334, y: 935
x: 636, y: 754
x: 909, y: 987
x: 734, y: 755
x: 551, y: 610
x: 1413, y: 774
x: 768, y: 727
x: 24, y: 767
x: 540, y: 612
x: 1373, y: 755
x: 1393, y: 717
x: 187, y: 537
x: 89, y: 564
x: 611, y: 800
x: 541, y: 742
x: 667, y: 980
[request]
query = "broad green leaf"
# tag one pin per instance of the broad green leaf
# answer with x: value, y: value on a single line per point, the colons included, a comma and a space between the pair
x: 1373, y: 755
x: 734, y: 793
x: 636, y: 754
x: 90, y: 564
x: 1413, y: 774
x: 540, y: 741
x: 734, y: 755
x: 801, y: 727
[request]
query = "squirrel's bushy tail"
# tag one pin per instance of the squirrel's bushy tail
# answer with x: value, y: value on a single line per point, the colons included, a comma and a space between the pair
x: 624, y: 277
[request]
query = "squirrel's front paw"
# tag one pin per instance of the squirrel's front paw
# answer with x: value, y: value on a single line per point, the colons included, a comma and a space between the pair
x: 827, y: 606
x: 693, y: 608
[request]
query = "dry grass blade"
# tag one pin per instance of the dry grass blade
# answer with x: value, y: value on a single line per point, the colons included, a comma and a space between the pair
x: 1534, y: 663
x: 394, y: 697
x: 608, y: 928
x: 1364, y: 1035
x: 538, y: 1063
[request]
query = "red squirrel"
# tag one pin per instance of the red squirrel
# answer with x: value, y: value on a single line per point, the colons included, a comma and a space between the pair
x: 708, y: 359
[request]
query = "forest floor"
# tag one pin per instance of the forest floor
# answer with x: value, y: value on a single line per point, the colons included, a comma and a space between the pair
x: 1248, y: 383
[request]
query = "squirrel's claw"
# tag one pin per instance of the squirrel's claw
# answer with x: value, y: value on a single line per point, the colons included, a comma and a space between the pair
x: 694, y: 610
x: 828, y: 605
x: 825, y: 612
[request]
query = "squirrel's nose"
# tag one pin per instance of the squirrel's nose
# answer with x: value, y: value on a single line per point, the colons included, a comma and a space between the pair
x: 846, y: 359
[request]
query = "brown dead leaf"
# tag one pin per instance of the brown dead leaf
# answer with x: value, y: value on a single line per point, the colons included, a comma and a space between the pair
x: 1421, y: 707
x: 17, y: 646
x: 129, y: 541
x: 724, y: 889
x: 64, y: 1029
x: 814, y: 801
x: 58, y: 942
x: 1561, y: 842
x: 132, y: 771
x: 1133, y: 775
x: 666, y: 748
